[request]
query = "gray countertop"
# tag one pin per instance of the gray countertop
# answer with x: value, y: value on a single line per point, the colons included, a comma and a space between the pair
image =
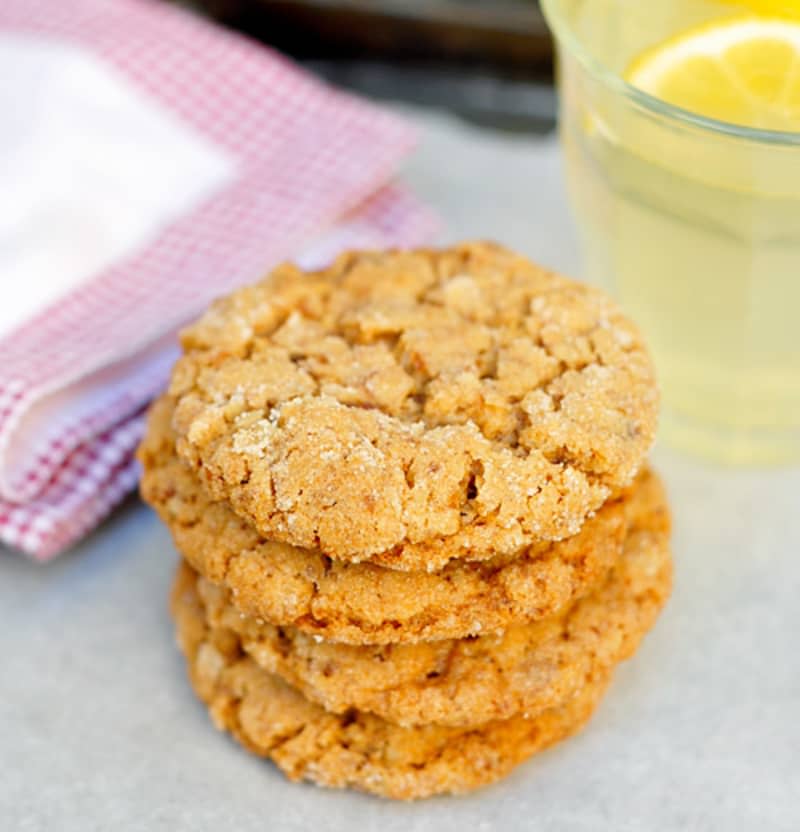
x: 700, y: 731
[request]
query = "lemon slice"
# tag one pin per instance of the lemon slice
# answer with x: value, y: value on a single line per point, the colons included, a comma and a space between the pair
x: 780, y: 8
x: 743, y: 70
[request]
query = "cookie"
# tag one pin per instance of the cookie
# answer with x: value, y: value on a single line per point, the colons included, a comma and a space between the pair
x: 526, y: 670
x: 364, y: 603
x: 410, y: 407
x: 354, y: 749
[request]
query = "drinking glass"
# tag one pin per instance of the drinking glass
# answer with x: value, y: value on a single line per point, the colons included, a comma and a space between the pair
x: 694, y: 224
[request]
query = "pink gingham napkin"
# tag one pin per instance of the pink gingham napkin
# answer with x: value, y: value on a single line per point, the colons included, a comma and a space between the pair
x: 150, y: 162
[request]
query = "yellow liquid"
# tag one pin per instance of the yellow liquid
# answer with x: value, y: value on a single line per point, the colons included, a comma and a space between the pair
x: 699, y: 238
x: 712, y: 276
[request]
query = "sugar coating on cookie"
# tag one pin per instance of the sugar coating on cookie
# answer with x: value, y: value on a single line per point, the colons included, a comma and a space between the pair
x: 365, y: 603
x: 524, y: 670
x: 356, y: 750
x: 399, y: 405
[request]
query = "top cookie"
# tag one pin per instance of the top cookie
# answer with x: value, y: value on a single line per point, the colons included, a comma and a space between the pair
x: 399, y: 405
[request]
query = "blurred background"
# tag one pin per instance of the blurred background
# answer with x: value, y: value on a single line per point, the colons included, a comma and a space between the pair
x: 488, y: 61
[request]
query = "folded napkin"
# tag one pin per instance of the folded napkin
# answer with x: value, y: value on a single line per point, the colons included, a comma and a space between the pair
x: 149, y: 162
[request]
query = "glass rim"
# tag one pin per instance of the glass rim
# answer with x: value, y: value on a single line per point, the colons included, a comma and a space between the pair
x: 566, y: 36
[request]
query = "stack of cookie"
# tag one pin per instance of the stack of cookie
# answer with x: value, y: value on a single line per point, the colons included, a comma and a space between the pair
x: 417, y: 527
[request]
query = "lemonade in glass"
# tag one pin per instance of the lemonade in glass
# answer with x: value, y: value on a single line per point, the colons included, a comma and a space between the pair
x: 680, y: 122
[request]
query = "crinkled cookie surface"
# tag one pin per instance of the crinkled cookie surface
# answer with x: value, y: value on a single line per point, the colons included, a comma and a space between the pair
x: 405, y: 406
x: 463, y: 682
x: 354, y: 749
x: 369, y: 604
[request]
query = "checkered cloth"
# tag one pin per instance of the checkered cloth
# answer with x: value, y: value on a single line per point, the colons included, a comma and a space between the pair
x: 311, y: 177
